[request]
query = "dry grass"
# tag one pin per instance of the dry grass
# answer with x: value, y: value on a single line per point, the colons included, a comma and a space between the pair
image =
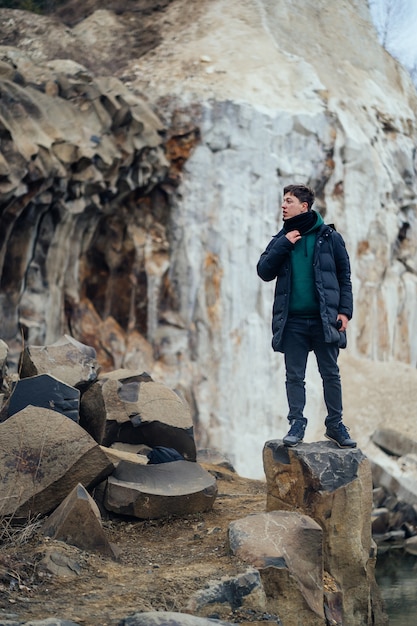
x: 18, y: 533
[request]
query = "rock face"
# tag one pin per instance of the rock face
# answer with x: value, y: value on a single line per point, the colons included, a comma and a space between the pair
x: 334, y: 488
x: 138, y: 232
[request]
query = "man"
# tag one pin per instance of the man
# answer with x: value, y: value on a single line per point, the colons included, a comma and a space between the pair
x: 312, y: 306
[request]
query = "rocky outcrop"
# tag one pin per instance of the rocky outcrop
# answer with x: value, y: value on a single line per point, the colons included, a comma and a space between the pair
x: 75, y: 149
x: 306, y: 553
x: 334, y: 488
x: 47, y: 457
x: 138, y: 232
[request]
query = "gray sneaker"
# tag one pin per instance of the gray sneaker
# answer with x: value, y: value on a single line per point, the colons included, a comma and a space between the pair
x: 296, y: 433
x: 340, y: 435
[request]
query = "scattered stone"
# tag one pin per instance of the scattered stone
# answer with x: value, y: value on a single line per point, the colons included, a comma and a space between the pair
x: 162, y: 618
x: 77, y: 521
x: 228, y: 594
x: 155, y: 491
x: 45, y: 391
x: 67, y: 359
x: 60, y: 564
x: 378, y: 496
x: 214, y: 457
x: 287, y: 548
x: 380, y: 521
x: 410, y: 545
x: 129, y: 407
x: 43, y: 456
x: 396, y: 475
x: 393, y: 442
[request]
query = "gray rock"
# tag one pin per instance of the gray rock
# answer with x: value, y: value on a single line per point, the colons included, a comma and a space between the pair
x: 394, y: 442
x: 155, y: 491
x: 287, y: 548
x: 396, y: 475
x: 77, y: 521
x: 380, y: 521
x: 67, y: 359
x: 228, y: 594
x: 410, y: 545
x: 214, y: 457
x: 45, y: 391
x: 129, y: 407
x: 162, y: 618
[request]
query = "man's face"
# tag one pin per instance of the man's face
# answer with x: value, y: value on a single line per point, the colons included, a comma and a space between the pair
x: 291, y: 206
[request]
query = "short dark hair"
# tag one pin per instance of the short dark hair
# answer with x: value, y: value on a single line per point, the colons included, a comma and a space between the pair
x: 302, y: 192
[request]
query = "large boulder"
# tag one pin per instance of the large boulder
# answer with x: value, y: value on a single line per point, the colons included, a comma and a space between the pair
x: 155, y: 491
x: 130, y: 407
x: 287, y: 549
x: 43, y: 456
x: 334, y: 488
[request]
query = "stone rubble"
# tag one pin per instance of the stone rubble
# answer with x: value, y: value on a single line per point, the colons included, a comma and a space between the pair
x: 61, y: 473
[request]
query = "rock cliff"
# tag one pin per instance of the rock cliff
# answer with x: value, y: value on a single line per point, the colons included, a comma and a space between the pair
x: 143, y: 157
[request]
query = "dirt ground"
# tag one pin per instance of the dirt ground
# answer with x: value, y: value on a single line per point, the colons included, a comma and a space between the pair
x: 159, y: 565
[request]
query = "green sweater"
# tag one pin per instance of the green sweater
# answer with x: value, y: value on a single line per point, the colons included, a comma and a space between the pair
x: 303, y: 297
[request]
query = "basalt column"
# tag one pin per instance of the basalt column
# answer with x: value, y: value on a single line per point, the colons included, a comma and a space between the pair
x: 334, y: 488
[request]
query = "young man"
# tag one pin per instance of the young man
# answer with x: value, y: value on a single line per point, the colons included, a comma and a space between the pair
x: 312, y: 306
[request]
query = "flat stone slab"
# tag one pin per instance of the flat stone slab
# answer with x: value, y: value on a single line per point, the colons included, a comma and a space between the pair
x: 155, y: 491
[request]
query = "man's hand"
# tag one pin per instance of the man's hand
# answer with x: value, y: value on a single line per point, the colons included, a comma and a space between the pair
x: 293, y: 236
x: 344, y: 321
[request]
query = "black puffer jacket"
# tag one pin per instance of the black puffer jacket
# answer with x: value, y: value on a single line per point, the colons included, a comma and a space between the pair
x: 332, y: 278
